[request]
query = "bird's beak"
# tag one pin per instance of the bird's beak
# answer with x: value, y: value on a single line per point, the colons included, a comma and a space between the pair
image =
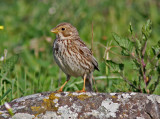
x: 54, y: 30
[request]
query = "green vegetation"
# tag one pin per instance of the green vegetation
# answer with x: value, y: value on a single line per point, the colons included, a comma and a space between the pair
x: 26, y: 44
x: 144, y: 62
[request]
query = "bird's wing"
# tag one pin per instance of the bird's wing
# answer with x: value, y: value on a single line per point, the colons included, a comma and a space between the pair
x: 83, y: 50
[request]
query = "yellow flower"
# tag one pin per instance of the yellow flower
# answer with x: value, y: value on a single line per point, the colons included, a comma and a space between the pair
x: 1, y: 27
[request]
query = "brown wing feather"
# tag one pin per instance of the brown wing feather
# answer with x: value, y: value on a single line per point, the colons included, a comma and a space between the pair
x: 83, y: 50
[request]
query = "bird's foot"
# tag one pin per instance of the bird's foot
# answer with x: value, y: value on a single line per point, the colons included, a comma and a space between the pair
x: 60, y: 90
x: 81, y: 91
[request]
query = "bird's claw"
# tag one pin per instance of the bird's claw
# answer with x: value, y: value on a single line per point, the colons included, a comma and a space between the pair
x: 60, y: 90
x: 80, y: 91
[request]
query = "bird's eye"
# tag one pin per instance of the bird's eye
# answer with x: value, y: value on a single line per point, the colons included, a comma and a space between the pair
x: 63, y: 29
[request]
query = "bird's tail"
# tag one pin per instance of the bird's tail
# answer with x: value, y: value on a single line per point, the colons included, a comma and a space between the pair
x: 88, y: 84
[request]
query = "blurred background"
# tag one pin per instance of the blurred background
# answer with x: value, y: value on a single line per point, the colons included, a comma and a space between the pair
x: 26, y: 40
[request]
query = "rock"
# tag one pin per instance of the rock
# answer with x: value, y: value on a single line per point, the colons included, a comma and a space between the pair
x: 66, y: 105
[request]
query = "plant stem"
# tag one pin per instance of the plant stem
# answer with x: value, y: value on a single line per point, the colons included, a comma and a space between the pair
x: 144, y: 49
x: 92, y: 40
x: 126, y: 80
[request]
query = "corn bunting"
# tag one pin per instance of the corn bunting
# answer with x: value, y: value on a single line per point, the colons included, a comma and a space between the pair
x: 72, y: 55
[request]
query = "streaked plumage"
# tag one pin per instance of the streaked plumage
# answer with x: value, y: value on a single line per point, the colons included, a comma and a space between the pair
x: 72, y: 55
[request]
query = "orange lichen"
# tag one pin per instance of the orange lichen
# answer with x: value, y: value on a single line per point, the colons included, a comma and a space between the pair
x: 81, y: 96
x: 47, y: 105
x: 115, y: 97
x: 70, y: 95
x: 52, y: 96
x: 35, y: 108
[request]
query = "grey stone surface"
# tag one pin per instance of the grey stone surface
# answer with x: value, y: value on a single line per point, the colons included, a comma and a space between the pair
x: 66, y: 105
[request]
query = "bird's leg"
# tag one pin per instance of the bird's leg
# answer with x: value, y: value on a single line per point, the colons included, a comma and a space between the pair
x: 83, y: 90
x: 61, y: 89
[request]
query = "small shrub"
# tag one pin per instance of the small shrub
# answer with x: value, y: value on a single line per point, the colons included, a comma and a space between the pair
x: 138, y: 64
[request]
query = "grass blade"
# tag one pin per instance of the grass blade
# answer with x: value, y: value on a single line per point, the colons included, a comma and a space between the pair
x: 5, y: 94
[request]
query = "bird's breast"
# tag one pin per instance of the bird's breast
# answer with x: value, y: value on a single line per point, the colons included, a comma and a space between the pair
x: 69, y: 59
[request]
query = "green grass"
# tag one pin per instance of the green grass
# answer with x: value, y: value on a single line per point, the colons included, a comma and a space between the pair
x: 26, y: 33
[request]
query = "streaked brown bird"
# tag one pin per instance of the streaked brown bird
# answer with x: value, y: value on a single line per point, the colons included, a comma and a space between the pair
x: 72, y: 55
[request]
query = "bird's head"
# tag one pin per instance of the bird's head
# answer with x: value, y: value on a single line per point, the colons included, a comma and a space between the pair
x: 65, y: 30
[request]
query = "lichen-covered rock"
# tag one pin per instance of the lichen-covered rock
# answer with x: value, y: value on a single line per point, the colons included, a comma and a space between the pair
x: 66, y: 105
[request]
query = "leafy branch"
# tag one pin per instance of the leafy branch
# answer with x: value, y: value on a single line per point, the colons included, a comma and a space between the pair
x: 144, y: 60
